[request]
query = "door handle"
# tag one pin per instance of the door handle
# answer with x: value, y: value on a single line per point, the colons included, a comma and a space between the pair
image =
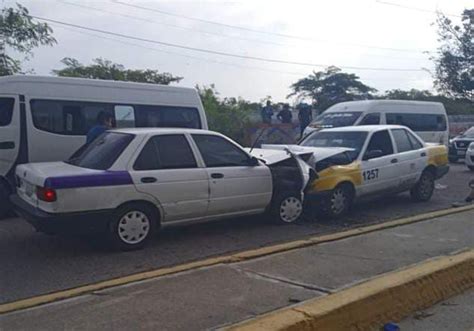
x: 217, y: 175
x: 147, y: 180
x: 7, y: 145
x: 394, y: 161
x: 423, y: 154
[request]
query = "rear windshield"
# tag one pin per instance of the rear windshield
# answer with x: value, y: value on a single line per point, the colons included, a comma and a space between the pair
x: 354, y: 140
x: 337, y: 119
x: 102, y: 152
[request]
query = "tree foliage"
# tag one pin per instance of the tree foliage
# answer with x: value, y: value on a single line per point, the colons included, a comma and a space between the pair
x: 331, y: 86
x: 22, y: 34
x: 106, y: 69
x: 455, y: 59
x: 230, y: 116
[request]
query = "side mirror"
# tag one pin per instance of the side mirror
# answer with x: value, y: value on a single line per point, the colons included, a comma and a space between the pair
x: 375, y: 153
x: 253, y: 162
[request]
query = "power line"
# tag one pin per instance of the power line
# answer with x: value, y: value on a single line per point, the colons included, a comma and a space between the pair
x: 242, y: 28
x: 382, y: 2
x: 202, y: 50
x: 259, y: 41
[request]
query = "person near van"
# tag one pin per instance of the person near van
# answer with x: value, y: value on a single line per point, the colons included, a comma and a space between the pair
x: 285, y: 115
x: 267, y: 113
x: 104, y: 122
x: 305, y: 117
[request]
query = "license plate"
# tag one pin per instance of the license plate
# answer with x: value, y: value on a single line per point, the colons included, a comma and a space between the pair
x: 461, y: 153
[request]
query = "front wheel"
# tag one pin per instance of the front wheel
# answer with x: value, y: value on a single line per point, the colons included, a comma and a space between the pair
x: 339, y: 202
x: 132, y: 226
x: 424, y: 188
x: 287, y: 208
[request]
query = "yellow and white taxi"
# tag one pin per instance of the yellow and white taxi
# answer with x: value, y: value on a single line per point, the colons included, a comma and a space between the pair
x: 373, y: 160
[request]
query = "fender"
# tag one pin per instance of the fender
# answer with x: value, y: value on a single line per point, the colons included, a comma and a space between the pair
x: 331, y: 177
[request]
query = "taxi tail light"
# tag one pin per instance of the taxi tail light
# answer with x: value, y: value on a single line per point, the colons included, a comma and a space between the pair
x: 46, y: 194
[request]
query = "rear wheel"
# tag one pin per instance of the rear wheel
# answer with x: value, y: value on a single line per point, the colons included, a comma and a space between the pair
x: 132, y: 226
x: 424, y: 188
x: 339, y: 202
x: 287, y: 208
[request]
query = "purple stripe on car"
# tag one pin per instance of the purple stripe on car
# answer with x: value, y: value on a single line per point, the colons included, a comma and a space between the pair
x: 106, y: 178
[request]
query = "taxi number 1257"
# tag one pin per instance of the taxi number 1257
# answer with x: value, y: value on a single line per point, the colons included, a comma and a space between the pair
x: 370, y: 174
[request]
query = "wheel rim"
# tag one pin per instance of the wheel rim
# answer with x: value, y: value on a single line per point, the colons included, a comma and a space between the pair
x: 338, y: 201
x: 290, y: 209
x: 133, y: 227
x: 426, y: 186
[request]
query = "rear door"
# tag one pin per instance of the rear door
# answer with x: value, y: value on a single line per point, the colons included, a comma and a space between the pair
x: 236, y: 186
x: 379, y: 174
x: 9, y: 132
x: 167, y: 169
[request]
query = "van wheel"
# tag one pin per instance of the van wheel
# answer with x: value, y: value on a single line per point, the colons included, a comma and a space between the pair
x: 424, y: 188
x: 5, y: 206
x: 132, y: 226
x: 339, y: 202
x: 287, y: 208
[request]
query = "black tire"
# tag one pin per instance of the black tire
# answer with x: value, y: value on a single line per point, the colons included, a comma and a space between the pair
x: 5, y: 205
x: 339, y: 202
x: 132, y: 226
x: 471, y: 168
x: 424, y: 188
x: 287, y: 208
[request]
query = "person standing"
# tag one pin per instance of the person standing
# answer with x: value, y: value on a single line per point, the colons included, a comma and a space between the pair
x: 285, y: 115
x: 267, y: 113
x: 104, y: 122
x: 305, y: 116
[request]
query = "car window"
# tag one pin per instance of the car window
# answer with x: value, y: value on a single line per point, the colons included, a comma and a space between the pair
x: 418, y: 122
x: 401, y: 140
x: 371, y: 119
x: 415, y: 143
x: 218, y: 152
x: 381, y: 141
x: 102, y: 153
x: 6, y: 111
x: 166, y: 152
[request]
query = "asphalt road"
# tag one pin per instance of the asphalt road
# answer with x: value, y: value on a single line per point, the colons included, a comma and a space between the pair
x: 33, y: 263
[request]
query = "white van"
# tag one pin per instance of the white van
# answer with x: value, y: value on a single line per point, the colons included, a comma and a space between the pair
x: 427, y: 119
x: 47, y: 118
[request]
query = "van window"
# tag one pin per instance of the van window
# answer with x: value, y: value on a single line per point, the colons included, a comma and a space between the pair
x: 418, y: 122
x: 371, y: 119
x: 6, y: 111
x: 66, y: 117
x: 167, y: 116
x: 336, y: 119
x: 124, y: 116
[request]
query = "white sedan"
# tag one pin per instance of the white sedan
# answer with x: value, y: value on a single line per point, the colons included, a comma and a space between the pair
x: 129, y: 182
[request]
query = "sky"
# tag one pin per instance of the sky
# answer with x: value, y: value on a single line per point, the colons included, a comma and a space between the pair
x: 388, y: 34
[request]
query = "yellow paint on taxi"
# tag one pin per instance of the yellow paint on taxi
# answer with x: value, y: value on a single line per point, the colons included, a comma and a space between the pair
x: 330, y: 177
x: 437, y: 155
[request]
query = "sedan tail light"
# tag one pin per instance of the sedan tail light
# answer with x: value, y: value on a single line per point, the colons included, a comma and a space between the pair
x: 46, y: 194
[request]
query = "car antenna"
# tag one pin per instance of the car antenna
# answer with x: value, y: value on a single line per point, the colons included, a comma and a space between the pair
x: 256, y: 140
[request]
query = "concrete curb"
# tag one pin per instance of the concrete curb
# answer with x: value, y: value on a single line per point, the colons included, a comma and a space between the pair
x: 371, y: 304
x: 225, y: 259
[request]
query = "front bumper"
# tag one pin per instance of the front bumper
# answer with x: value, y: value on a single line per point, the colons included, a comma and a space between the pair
x: 87, y: 222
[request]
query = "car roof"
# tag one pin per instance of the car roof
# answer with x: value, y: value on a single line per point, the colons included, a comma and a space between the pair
x: 147, y: 131
x: 364, y: 128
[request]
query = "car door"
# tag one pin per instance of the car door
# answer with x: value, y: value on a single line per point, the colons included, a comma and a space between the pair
x: 411, y: 157
x: 166, y: 169
x: 379, y: 165
x: 9, y: 132
x: 237, y: 184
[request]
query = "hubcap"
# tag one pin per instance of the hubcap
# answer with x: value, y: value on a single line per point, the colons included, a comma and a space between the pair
x: 133, y: 227
x: 290, y: 209
x: 426, y: 186
x: 338, y: 201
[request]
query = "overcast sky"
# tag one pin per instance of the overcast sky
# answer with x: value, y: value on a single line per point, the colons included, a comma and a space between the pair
x: 334, y: 32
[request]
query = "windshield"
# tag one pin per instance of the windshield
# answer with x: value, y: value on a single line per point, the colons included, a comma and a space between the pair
x: 102, y: 152
x: 354, y: 140
x: 336, y: 119
x: 469, y: 133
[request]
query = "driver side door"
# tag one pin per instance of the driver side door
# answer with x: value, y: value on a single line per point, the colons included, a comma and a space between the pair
x: 236, y: 186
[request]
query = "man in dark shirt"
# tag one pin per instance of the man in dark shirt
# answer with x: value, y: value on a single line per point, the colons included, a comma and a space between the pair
x: 267, y: 113
x: 104, y: 122
x: 285, y: 115
x: 305, y: 116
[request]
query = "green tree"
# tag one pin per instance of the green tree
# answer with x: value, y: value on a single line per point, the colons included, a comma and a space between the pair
x: 412, y: 94
x: 230, y: 116
x: 455, y: 59
x: 21, y: 33
x: 106, y: 69
x: 331, y: 86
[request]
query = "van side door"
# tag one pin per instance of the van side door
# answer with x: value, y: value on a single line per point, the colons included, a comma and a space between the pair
x: 10, y: 128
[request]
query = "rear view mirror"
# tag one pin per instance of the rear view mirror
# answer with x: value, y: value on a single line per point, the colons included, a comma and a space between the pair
x: 373, y: 154
x: 253, y: 162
